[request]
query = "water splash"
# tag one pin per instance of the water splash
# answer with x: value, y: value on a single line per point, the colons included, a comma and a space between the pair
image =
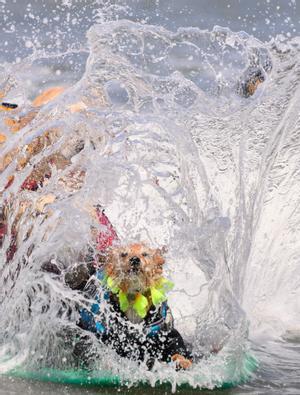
x: 168, y: 147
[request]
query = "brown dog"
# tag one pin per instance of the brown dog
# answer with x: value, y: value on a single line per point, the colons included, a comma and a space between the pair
x: 133, y: 286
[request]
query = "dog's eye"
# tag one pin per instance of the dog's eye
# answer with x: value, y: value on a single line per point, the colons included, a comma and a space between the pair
x: 123, y: 254
x: 145, y: 254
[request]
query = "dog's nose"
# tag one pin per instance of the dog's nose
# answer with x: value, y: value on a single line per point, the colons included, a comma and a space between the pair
x: 135, y: 263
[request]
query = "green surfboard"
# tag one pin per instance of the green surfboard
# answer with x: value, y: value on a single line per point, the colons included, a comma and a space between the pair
x: 106, y: 379
x: 77, y: 377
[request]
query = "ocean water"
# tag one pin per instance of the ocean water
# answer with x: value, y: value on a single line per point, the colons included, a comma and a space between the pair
x: 178, y: 158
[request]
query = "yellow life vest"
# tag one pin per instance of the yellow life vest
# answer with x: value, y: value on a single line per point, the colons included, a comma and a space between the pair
x: 155, y: 295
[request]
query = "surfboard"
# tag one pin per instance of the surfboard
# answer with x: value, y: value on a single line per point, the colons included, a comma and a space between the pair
x: 106, y: 379
x: 76, y: 377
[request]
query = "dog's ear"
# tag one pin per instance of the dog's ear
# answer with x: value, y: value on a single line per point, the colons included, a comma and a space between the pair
x: 102, y: 258
x: 106, y: 260
x: 158, y: 256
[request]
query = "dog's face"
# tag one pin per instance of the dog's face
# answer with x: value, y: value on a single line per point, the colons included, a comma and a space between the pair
x: 135, y: 267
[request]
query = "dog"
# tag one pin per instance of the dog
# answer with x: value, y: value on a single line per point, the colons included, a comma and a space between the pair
x: 129, y: 311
